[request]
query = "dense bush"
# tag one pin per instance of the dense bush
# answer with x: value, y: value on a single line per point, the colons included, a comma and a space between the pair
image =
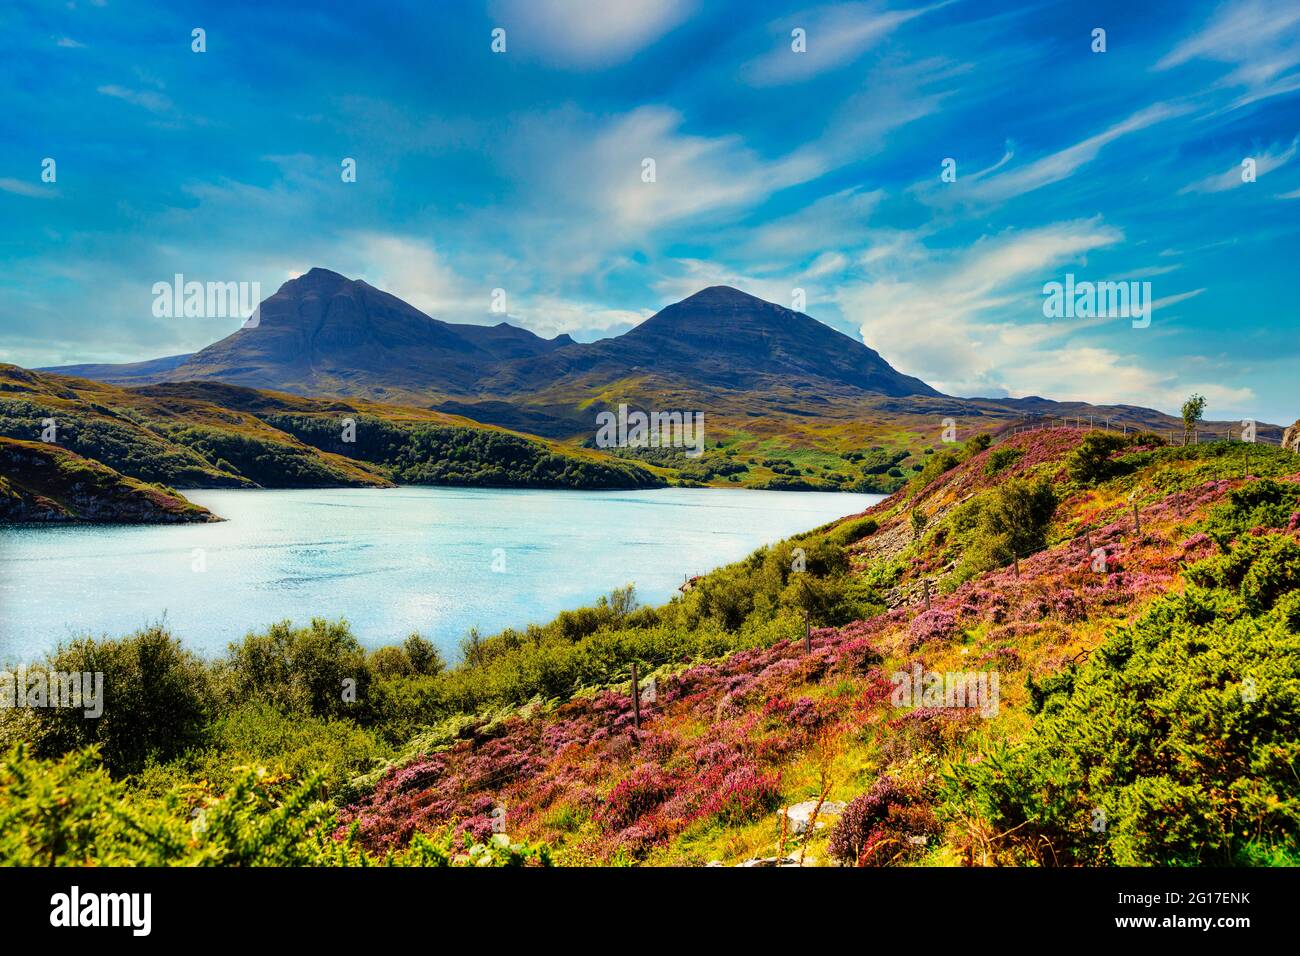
x: 1001, y: 459
x: 1091, y: 461
x: 1010, y: 520
x: 70, y: 812
x: 122, y: 445
x: 1176, y: 742
x: 320, y: 669
x: 157, y: 701
x: 271, y: 464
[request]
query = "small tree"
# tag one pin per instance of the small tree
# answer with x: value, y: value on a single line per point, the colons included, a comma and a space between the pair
x: 918, y: 523
x: 1193, y: 409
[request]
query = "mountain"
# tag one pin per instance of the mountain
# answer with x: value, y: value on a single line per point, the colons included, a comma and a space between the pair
x: 325, y: 334
x: 719, y: 338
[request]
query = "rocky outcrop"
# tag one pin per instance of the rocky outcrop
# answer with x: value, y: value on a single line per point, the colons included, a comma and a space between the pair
x: 41, y: 483
x: 1291, y: 438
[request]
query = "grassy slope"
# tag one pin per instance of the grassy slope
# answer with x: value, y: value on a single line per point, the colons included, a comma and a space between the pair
x: 213, y: 435
x: 817, y: 437
x: 45, y: 483
x: 727, y: 741
x: 193, y: 435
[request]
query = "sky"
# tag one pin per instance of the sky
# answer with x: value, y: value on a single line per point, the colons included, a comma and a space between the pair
x: 775, y: 170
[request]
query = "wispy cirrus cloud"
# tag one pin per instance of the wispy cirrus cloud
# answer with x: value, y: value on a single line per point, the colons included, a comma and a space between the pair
x: 150, y: 100
x: 604, y: 168
x: 833, y: 36
x: 1258, y: 39
x: 1265, y: 163
x: 21, y: 188
x: 1005, y: 180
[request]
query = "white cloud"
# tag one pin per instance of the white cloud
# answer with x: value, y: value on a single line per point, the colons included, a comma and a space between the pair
x: 549, y: 316
x: 147, y: 99
x: 585, y: 33
x: 1103, y: 376
x: 991, y: 186
x: 834, y: 36
x: 1265, y: 163
x: 582, y: 167
x: 21, y: 188
x: 835, y: 219
x: 971, y: 323
x: 1169, y: 300
x: 933, y: 318
x: 412, y: 270
x: 1258, y: 38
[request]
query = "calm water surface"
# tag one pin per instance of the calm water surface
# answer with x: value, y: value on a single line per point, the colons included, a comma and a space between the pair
x: 391, y: 561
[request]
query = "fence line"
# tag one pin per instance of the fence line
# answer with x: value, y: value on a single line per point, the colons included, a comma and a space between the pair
x: 1171, y: 435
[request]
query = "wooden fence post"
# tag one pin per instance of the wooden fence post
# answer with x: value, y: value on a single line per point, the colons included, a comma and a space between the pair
x: 807, y: 633
x: 1137, y: 520
x: 1015, y: 559
x: 925, y: 583
x: 636, y: 699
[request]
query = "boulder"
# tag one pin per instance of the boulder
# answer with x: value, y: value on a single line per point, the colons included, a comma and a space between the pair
x: 783, y: 861
x: 801, y: 813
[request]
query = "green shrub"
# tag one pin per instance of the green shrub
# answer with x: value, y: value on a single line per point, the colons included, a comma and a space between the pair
x: 70, y: 812
x: 1175, y: 743
x: 1091, y: 462
x: 320, y: 669
x: 850, y: 532
x: 157, y: 700
x: 1002, y: 458
x: 1010, y: 520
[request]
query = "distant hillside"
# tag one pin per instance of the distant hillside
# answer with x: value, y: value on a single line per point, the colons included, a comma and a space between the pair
x: 44, y: 483
x: 211, y: 434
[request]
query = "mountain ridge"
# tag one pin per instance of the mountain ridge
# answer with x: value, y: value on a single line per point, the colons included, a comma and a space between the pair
x: 761, y: 370
x: 322, y: 333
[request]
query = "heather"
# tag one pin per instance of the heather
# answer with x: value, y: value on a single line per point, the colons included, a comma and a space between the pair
x: 1147, y: 686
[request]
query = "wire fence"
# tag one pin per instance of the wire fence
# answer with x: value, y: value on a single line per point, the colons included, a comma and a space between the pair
x: 1172, y: 436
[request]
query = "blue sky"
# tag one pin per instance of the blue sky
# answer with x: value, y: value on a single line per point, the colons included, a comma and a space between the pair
x: 775, y: 170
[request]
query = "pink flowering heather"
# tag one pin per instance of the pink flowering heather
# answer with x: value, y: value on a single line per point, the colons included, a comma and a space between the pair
x: 636, y: 795
x: 933, y: 625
